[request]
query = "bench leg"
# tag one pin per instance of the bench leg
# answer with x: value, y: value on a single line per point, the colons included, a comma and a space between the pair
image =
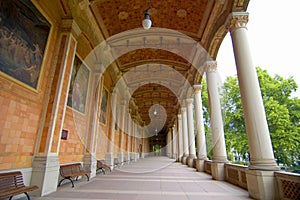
x: 69, y: 178
x: 88, y: 178
x: 27, y: 195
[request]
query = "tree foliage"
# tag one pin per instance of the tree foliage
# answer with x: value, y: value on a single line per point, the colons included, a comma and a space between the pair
x: 282, y: 112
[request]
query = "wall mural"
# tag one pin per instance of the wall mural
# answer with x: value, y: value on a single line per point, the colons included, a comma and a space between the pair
x: 23, y: 37
x: 78, y: 86
x: 103, y: 110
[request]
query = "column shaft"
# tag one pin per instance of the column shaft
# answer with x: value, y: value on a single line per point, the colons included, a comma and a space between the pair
x: 219, y: 147
x: 201, y: 142
x: 180, y: 138
x: 174, y: 143
x: 191, y: 130
x: 260, y: 146
x: 185, y: 132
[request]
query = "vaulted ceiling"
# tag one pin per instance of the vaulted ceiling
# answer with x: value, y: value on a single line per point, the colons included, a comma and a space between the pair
x: 157, y: 63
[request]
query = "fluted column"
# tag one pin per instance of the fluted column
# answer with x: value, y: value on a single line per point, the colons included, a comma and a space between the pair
x: 191, y: 131
x: 184, y: 135
x: 219, y: 147
x: 260, y: 146
x: 180, y: 138
x: 200, y: 136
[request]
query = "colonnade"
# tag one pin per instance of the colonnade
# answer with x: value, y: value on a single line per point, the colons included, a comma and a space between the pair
x: 262, y: 162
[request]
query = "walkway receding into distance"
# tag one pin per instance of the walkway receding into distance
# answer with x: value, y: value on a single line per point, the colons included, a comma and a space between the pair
x: 158, y: 178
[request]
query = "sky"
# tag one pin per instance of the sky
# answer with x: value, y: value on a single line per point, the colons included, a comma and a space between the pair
x: 274, y: 38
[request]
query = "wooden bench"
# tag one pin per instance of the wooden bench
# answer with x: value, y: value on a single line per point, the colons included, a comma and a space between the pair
x: 101, y: 166
x: 11, y: 184
x: 72, y: 171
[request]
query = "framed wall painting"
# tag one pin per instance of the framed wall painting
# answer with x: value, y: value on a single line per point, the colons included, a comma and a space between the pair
x: 23, y: 36
x: 78, y: 86
x: 103, y: 108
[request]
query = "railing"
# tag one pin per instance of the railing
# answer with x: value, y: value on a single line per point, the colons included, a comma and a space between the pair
x: 288, y: 185
x: 207, y: 166
x: 236, y: 174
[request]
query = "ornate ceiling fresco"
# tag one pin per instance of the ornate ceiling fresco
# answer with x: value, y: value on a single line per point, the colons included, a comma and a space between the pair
x: 157, y: 64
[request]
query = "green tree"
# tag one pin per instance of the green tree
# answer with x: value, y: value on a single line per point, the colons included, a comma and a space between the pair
x: 282, y: 112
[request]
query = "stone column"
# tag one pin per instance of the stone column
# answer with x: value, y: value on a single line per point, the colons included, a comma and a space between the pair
x: 219, y: 147
x: 171, y: 142
x: 109, y: 156
x: 180, y: 138
x: 45, y: 166
x: 262, y: 162
x: 122, y: 131
x: 191, y: 134
x: 201, y: 142
x: 168, y: 146
x: 174, y: 136
x: 184, y: 135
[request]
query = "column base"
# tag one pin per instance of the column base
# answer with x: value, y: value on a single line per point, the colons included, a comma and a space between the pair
x: 121, y: 157
x: 128, y: 157
x: 132, y: 157
x: 270, y: 165
x: 109, y: 159
x: 184, y: 160
x: 174, y: 156
x: 261, y: 184
x: 137, y: 156
x: 90, y: 163
x: 218, y: 171
x: 45, y: 174
x: 190, y: 161
x: 200, y: 166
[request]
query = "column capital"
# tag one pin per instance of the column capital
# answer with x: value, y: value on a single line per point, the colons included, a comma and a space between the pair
x: 189, y: 101
x: 211, y: 66
x: 179, y: 116
x: 237, y: 20
x: 183, y: 109
x: 197, y: 88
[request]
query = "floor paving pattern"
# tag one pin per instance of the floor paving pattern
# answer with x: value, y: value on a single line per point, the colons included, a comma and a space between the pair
x: 153, y: 178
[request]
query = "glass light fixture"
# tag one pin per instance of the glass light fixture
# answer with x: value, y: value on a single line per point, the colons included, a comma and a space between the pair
x: 147, y: 21
x: 155, y: 111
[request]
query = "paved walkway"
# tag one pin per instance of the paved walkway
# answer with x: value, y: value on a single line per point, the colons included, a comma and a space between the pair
x: 155, y: 178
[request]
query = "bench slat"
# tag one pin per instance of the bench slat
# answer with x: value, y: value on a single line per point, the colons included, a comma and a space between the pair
x: 11, y: 184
